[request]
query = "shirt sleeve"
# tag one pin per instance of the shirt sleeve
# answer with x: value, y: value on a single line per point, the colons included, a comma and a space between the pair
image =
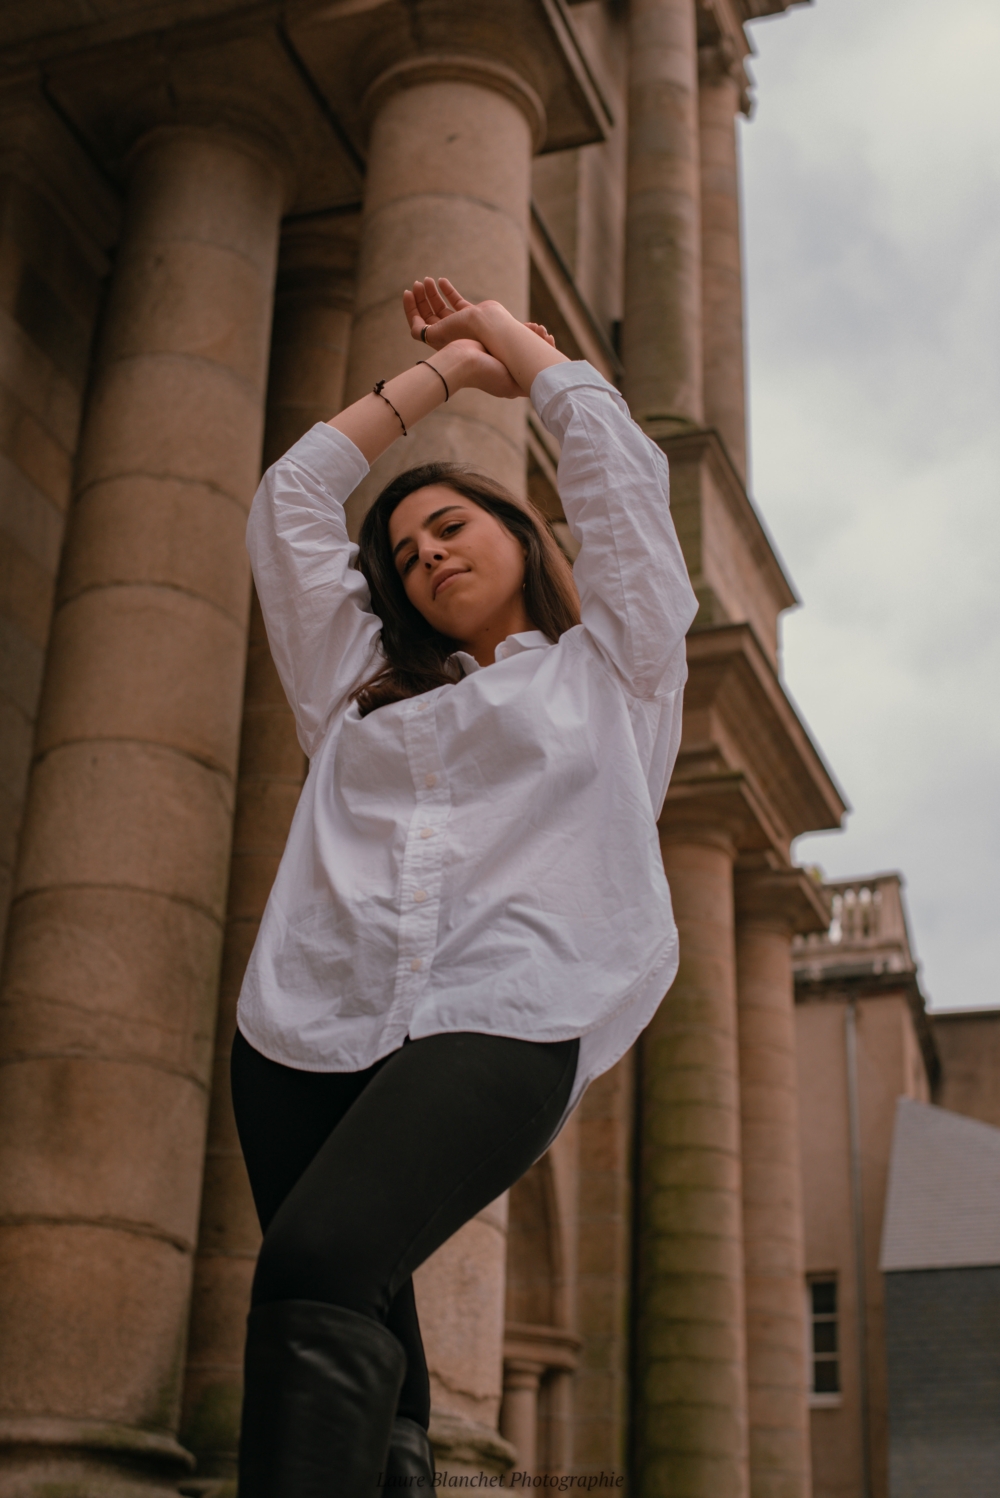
x: 635, y: 598
x: 316, y: 605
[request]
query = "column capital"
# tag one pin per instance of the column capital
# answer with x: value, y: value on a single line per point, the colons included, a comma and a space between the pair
x: 720, y: 65
x: 786, y: 900
x: 545, y: 1347
x: 456, y: 67
x: 527, y: 49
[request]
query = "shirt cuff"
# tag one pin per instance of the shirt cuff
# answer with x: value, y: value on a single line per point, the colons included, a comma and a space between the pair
x: 557, y: 379
x: 331, y: 458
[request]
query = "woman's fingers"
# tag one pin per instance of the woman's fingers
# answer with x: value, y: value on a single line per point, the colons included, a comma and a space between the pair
x: 542, y: 331
x: 425, y: 306
x: 436, y: 300
x: 412, y: 315
x: 454, y: 296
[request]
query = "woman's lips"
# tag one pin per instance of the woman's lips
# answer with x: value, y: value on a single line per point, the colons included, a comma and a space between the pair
x: 448, y: 577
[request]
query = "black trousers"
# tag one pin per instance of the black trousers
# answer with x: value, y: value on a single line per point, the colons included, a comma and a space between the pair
x: 359, y: 1176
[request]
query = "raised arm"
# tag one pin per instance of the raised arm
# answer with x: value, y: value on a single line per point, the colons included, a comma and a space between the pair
x: 635, y: 597
x: 320, y: 626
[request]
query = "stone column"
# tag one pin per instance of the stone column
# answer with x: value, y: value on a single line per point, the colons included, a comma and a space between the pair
x: 308, y: 357
x: 661, y: 336
x: 521, y: 1381
x: 607, y: 1116
x: 312, y: 328
x: 108, y: 1000
x: 448, y: 192
x: 719, y: 96
x: 769, y: 907
x: 690, y: 1380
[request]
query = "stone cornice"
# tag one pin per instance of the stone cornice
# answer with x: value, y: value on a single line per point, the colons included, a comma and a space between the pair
x: 349, y: 45
x: 235, y: 73
x: 786, y: 899
x: 746, y: 762
x: 704, y: 444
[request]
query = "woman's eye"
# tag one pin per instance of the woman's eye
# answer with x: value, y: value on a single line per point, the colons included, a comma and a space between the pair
x: 409, y: 563
x: 451, y: 527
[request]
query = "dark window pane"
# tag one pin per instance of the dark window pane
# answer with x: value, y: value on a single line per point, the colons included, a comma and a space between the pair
x: 826, y: 1379
x: 824, y: 1336
x: 824, y: 1297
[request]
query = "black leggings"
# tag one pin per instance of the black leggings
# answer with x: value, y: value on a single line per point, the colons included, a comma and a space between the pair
x: 359, y: 1176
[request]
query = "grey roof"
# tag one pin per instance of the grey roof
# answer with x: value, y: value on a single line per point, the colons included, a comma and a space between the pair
x: 942, y: 1208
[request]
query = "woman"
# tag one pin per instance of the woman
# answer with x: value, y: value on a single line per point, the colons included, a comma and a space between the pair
x: 470, y: 920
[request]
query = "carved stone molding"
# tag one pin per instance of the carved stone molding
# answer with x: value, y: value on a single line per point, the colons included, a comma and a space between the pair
x: 526, y: 48
x: 454, y: 67
x: 747, y: 765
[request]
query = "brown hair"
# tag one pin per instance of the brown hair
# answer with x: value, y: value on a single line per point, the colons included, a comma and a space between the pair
x: 416, y: 653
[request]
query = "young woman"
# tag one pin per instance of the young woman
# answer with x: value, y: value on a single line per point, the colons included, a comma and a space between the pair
x: 471, y: 920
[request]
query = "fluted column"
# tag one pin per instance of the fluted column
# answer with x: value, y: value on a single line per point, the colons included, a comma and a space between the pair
x: 109, y: 991
x: 769, y: 907
x: 662, y: 336
x: 448, y: 192
x: 719, y: 98
x: 690, y: 1436
x: 305, y: 385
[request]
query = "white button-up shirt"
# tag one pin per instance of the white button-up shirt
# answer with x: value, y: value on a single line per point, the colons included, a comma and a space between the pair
x: 483, y: 857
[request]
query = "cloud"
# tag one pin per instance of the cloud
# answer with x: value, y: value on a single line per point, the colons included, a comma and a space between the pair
x: 872, y: 209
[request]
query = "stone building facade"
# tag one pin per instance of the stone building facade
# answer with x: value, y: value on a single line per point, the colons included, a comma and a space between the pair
x: 208, y: 210
x: 900, y: 1291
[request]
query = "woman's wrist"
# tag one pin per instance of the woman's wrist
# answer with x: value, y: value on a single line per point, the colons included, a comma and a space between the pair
x: 455, y: 362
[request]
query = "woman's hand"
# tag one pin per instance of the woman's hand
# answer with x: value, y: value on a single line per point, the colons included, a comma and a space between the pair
x: 432, y: 301
x: 438, y: 314
x: 466, y: 365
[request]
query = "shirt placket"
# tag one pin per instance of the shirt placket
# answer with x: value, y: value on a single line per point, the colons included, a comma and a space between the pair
x: 421, y: 871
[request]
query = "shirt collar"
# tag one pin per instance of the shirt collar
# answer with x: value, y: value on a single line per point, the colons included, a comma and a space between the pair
x: 528, y: 639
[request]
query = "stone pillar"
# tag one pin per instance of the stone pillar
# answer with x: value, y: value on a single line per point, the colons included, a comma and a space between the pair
x: 305, y: 385
x: 661, y: 336
x: 312, y: 328
x: 690, y: 1380
x: 606, y: 1115
x: 769, y: 907
x: 521, y: 1381
x: 111, y: 974
x: 448, y: 192
x: 719, y: 98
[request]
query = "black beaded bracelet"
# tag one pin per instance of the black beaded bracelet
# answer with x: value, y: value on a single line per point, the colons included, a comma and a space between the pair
x: 377, y: 390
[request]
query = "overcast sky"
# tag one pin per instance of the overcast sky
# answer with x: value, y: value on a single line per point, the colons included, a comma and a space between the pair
x: 872, y: 208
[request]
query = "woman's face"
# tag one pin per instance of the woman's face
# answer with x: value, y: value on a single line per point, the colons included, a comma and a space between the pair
x: 460, y: 567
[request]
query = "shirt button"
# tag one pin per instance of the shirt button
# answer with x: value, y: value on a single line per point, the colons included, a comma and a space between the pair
x: 421, y: 707
x: 420, y: 895
x: 430, y: 781
x: 416, y: 965
x: 427, y: 832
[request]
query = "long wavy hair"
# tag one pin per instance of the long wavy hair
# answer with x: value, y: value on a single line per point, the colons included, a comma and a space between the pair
x: 416, y: 653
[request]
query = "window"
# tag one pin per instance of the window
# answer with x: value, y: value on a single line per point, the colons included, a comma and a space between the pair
x: 823, y: 1342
